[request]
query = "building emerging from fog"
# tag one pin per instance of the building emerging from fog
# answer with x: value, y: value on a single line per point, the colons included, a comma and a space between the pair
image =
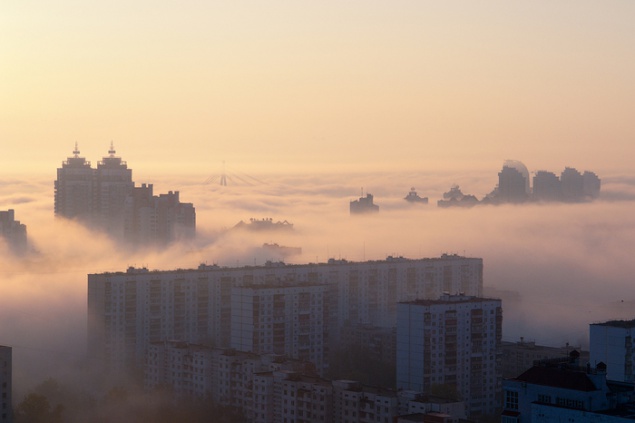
x: 6, y: 385
x: 298, y: 309
x: 106, y: 199
x: 13, y: 232
x: 364, y: 205
x: 513, y: 183
x: 156, y: 220
x: 572, y: 186
x: 455, y: 341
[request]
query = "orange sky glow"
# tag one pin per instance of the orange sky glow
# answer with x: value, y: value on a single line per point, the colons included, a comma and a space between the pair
x: 318, y: 86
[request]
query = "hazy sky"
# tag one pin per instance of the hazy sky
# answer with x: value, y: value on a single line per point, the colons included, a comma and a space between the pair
x: 318, y: 85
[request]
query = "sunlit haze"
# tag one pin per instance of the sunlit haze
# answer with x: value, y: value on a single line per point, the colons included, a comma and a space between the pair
x: 304, y: 106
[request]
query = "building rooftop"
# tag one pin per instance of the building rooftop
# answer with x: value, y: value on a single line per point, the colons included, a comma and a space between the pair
x: 272, y: 264
x: 625, y: 324
x: 449, y: 299
x: 559, y: 376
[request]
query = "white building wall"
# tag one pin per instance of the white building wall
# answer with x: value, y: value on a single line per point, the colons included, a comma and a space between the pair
x: 614, y: 345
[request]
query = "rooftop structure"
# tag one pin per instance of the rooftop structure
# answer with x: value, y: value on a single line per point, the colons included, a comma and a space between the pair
x: 413, y: 197
x: 363, y: 205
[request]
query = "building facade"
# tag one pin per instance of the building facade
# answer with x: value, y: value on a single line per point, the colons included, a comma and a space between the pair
x: 520, y: 356
x: 128, y: 310
x: 282, y: 318
x: 13, y: 232
x: 559, y: 390
x: 271, y: 388
x: 453, y: 342
x: 613, y: 343
x: 6, y: 385
x: 156, y: 220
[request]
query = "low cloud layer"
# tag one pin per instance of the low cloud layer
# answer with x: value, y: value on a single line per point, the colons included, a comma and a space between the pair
x: 567, y: 265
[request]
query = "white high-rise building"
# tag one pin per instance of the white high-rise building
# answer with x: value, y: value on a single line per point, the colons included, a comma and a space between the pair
x: 613, y: 343
x: 128, y: 310
x: 454, y: 341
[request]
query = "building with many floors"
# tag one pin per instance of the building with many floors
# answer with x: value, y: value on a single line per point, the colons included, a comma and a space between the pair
x: 129, y: 310
x: 454, y: 341
x: 156, y: 220
x: 13, y: 232
x: 282, y: 318
x: 106, y: 199
x: 271, y: 388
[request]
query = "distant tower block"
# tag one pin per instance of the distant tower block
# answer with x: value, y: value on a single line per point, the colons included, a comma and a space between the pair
x: 223, y: 177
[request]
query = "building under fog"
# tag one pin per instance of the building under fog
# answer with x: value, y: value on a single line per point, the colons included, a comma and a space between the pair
x: 272, y: 388
x: 547, y: 186
x: 512, y: 186
x: 454, y: 340
x: 13, y: 232
x: 364, y: 205
x: 106, y: 199
x: 128, y: 310
x: 156, y: 220
x: 6, y: 385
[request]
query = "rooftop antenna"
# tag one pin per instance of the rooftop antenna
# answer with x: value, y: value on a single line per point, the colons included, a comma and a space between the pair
x: 76, y: 151
x: 223, y: 177
x: 112, y: 149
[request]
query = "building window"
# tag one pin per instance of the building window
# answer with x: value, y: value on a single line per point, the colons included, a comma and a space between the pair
x: 511, y: 400
x: 544, y: 398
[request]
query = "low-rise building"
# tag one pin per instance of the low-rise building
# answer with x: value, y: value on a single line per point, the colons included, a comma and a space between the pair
x: 559, y: 390
x: 519, y: 356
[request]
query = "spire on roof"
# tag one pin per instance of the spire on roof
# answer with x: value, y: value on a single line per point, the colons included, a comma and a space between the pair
x: 76, y: 151
x: 112, y: 151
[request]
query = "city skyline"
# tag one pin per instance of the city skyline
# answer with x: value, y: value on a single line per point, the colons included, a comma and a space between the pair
x: 299, y: 107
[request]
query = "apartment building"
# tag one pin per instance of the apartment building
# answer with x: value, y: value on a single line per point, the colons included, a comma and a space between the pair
x: 272, y: 388
x: 106, y: 198
x: 129, y: 310
x: 282, y: 318
x: 454, y: 341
